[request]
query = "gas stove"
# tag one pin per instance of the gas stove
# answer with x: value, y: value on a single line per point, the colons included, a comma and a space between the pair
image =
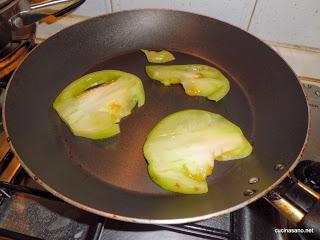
x: 11, y: 56
x: 29, y: 212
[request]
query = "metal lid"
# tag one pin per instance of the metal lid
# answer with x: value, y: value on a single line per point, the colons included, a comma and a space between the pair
x: 4, y: 2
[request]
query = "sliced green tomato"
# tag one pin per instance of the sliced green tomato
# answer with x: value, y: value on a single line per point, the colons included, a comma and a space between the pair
x: 196, y: 79
x: 93, y: 105
x: 162, y: 56
x: 182, y: 147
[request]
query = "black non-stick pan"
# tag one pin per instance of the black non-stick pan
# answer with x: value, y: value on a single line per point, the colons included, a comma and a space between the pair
x: 109, y: 177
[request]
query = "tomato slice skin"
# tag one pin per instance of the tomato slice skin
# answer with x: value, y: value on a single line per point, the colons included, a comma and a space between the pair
x: 93, y: 105
x: 196, y: 79
x: 162, y: 56
x: 182, y: 147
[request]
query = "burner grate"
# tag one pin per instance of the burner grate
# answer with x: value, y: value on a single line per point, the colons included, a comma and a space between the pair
x: 15, y: 187
x: 204, y: 232
x: 18, y: 189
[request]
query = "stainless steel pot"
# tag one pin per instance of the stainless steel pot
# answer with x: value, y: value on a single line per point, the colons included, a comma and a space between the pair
x: 18, y: 17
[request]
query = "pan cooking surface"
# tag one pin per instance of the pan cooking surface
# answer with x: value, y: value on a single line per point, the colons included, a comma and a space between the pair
x: 119, y: 161
x: 109, y: 177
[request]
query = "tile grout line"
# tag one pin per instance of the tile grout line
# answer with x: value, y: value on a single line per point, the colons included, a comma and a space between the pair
x: 293, y: 47
x: 111, y: 6
x: 251, y: 17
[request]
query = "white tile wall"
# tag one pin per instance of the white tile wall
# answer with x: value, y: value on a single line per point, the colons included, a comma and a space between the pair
x: 46, y: 30
x: 90, y: 8
x: 288, y: 21
x: 284, y: 21
x: 93, y: 8
x: 304, y: 62
x: 236, y: 12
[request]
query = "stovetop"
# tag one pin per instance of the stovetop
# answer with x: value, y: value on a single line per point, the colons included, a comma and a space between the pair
x: 29, y: 212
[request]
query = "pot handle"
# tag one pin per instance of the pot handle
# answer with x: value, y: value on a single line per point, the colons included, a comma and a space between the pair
x: 34, y: 14
x: 300, y: 204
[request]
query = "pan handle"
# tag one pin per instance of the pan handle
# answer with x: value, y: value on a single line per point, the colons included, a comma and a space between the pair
x: 300, y: 204
x: 36, y: 12
x: 311, y: 221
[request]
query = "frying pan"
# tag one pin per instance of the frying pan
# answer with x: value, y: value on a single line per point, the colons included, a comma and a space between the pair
x: 109, y: 177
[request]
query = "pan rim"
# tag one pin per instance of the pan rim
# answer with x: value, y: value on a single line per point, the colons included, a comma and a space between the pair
x: 157, y: 221
x: 162, y: 221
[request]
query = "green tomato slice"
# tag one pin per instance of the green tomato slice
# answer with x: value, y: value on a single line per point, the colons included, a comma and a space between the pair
x: 93, y: 105
x: 196, y: 79
x: 182, y: 147
x: 162, y: 56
